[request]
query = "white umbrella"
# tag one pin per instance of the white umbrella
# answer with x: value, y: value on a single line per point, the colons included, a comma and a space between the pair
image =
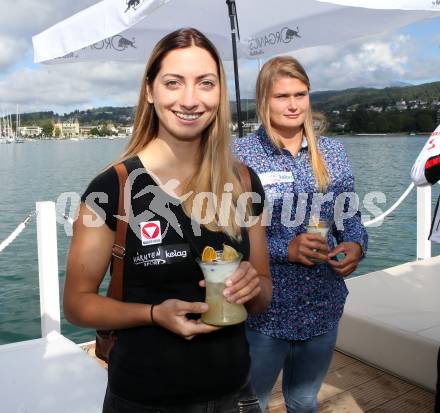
x: 128, y: 29
x: 391, y: 4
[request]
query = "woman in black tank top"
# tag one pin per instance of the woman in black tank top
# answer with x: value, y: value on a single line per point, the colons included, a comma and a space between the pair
x: 185, y: 193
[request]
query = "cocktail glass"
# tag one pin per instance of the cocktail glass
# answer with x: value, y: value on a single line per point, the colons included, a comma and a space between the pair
x: 321, y: 227
x: 221, y: 312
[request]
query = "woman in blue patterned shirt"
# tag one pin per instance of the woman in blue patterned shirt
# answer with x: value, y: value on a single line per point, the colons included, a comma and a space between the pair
x: 303, y: 176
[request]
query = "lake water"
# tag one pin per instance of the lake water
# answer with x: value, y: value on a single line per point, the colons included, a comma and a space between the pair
x: 42, y: 170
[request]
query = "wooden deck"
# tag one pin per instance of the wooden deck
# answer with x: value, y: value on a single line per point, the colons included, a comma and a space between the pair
x: 354, y: 387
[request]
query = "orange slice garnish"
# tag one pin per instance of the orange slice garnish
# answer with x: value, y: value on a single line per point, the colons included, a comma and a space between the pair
x: 209, y: 254
x: 229, y: 253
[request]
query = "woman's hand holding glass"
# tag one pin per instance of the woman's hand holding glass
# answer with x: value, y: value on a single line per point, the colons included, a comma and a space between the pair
x: 307, y: 247
x: 172, y: 315
x: 243, y: 285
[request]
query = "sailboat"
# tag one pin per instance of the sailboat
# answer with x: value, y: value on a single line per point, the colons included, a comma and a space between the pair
x: 17, y: 139
x: 2, y: 133
x: 9, y: 132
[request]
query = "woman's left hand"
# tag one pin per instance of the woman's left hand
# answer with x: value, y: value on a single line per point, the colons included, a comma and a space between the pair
x: 352, y: 252
x: 242, y: 285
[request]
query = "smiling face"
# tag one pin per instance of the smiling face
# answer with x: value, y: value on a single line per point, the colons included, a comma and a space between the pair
x: 185, y: 93
x: 289, y: 103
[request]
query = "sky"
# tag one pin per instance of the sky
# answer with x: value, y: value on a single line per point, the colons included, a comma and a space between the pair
x: 410, y: 55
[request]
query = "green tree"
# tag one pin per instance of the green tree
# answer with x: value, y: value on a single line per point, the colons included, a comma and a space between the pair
x: 382, y: 125
x: 358, y: 121
x: 57, y: 132
x: 395, y: 120
x: 48, y: 128
x: 372, y: 127
x: 425, y: 122
x: 409, y: 123
x: 105, y: 132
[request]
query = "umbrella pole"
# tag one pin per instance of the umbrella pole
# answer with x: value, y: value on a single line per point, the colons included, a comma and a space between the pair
x: 232, y: 18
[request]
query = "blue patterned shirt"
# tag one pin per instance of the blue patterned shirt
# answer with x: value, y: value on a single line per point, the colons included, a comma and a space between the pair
x: 306, y: 301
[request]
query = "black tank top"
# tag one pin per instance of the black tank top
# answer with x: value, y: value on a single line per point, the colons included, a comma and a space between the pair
x: 151, y: 364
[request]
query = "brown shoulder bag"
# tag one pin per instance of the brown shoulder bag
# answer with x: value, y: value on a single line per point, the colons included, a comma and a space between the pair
x: 106, y: 339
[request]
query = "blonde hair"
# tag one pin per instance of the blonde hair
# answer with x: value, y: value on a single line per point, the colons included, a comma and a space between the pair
x: 273, y: 69
x: 215, y: 145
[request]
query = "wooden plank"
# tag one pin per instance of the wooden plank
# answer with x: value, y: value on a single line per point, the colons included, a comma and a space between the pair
x: 276, y: 401
x: 369, y: 395
x: 340, y: 360
x: 384, y: 394
x: 342, y: 403
x: 346, y: 378
x: 338, y: 381
x: 416, y: 400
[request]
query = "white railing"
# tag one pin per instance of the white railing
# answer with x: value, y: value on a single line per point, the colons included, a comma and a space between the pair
x: 423, y: 218
x: 48, y: 267
x: 381, y: 217
x: 423, y: 222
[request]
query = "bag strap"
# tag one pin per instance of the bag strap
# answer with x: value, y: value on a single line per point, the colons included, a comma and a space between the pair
x: 245, y: 177
x: 118, y: 249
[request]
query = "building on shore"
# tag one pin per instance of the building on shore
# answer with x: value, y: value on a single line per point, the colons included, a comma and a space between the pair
x: 86, y: 130
x: 112, y: 128
x: 72, y: 128
x: 69, y: 129
x: 30, y: 131
x: 401, y: 105
x: 124, y: 131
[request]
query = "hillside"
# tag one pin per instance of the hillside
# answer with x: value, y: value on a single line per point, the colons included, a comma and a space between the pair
x: 351, y: 110
x: 329, y: 100
x: 342, y: 99
x: 118, y: 115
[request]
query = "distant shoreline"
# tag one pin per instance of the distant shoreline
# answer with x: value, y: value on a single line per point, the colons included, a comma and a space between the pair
x: 379, y: 135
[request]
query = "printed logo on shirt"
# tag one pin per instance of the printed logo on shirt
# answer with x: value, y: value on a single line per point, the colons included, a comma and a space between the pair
x: 151, y: 233
x: 169, y: 254
x: 276, y: 177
